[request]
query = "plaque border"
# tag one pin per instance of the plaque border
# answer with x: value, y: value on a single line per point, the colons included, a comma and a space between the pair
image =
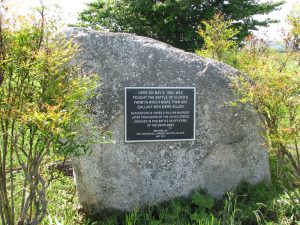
x: 156, y: 140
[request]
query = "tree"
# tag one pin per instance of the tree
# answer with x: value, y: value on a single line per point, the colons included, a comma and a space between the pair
x: 173, y: 21
x: 42, y: 112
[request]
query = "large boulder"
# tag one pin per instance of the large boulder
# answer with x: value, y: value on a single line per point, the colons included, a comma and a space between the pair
x: 227, y: 148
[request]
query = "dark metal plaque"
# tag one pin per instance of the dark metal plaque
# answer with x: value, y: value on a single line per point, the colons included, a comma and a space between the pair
x: 159, y: 114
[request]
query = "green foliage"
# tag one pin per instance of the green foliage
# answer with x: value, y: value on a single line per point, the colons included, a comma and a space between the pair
x: 62, y: 206
x: 131, y: 218
x: 229, y: 213
x: 272, y: 87
x: 275, y: 96
x: 172, y: 21
x: 42, y: 112
x: 218, y: 35
x: 202, y: 200
x: 204, y: 203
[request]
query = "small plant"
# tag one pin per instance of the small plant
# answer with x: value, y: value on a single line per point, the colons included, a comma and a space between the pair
x: 131, y: 218
x: 230, y: 210
x: 204, y: 203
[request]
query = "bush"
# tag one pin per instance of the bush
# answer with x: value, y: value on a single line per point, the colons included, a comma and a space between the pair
x: 42, y: 111
x: 273, y: 90
x: 272, y: 86
x: 218, y: 36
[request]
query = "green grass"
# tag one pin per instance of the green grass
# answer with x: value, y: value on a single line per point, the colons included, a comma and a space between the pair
x: 62, y: 202
x: 268, y: 204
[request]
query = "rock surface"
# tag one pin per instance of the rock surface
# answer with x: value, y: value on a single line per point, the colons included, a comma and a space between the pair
x: 227, y: 149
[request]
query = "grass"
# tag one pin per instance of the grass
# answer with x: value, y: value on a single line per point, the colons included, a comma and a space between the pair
x: 267, y: 204
x: 63, y: 201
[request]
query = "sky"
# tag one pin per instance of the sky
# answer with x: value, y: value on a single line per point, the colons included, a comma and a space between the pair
x: 70, y: 8
x: 273, y: 32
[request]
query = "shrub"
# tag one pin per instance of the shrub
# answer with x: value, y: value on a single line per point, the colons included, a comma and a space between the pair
x: 41, y: 112
x: 218, y: 35
x: 272, y: 86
